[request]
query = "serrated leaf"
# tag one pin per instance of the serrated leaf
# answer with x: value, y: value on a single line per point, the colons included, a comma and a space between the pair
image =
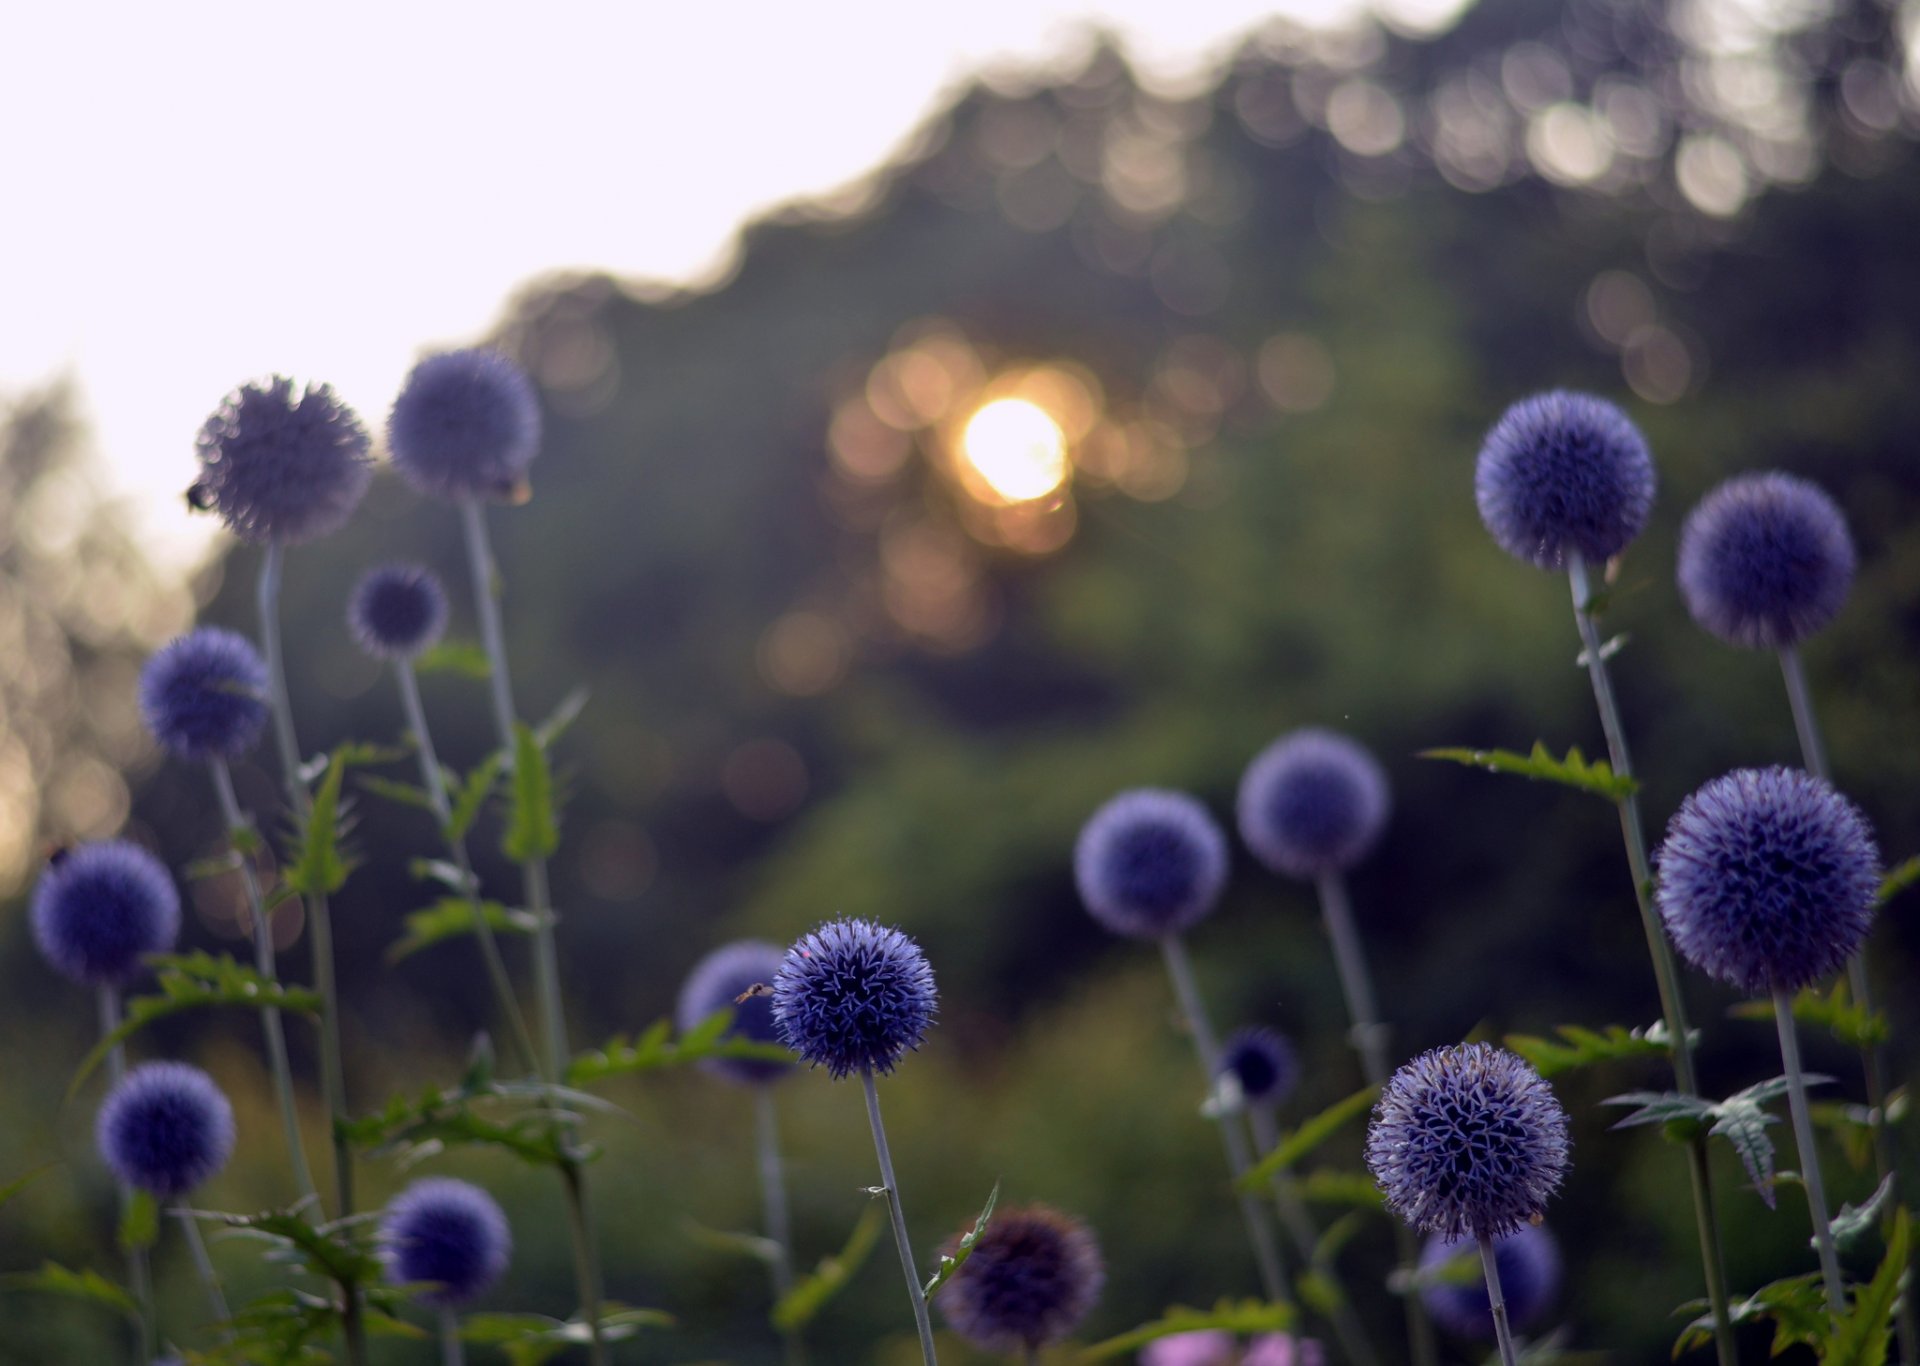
x: 1233, y: 1316
x: 1861, y: 1337
x: 1899, y: 878
x: 1303, y: 1140
x: 950, y: 1263
x: 562, y: 717
x: 1833, y: 1011
x: 461, y: 658
x: 1583, y: 1047
x: 1797, y: 1306
x: 810, y: 1294
x: 1573, y: 771
x: 1852, y: 1224
x: 453, y: 1117
x: 91, y: 1286
x: 318, y: 866
x: 656, y: 1048
x: 532, y: 831
x: 139, y: 1223
x: 1744, y: 1125
x: 407, y: 794
x: 467, y: 798
x: 452, y: 917
x: 1682, y: 1116
x: 531, y: 1339
x: 329, y: 1250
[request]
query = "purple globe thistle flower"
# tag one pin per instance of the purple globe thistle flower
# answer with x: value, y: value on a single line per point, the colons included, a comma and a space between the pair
x: 1765, y: 561
x: 1313, y: 802
x: 852, y: 996
x: 281, y: 466
x: 716, y: 983
x: 397, y: 610
x: 1768, y: 879
x: 101, y: 907
x: 1560, y: 472
x: 1467, y: 1141
x: 1263, y: 1064
x: 1529, y: 1263
x: 1033, y: 1276
x: 203, y: 695
x: 448, y: 1234
x: 466, y: 424
x: 1150, y: 863
x: 1283, y: 1349
x: 1208, y: 1347
x: 165, y: 1129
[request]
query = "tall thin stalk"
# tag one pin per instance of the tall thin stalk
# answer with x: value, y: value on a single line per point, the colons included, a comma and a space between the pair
x: 915, y: 1291
x: 1666, y: 975
x: 1497, y: 1300
x: 779, y: 1221
x: 139, y: 1273
x: 451, y: 1352
x: 1810, y: 1176
x: 202, y: 1263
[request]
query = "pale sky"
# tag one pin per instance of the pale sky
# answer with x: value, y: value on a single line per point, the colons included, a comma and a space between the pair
x: 202, y: 194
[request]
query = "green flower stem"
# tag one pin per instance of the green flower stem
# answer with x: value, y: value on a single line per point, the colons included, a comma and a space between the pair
x: 546, y: 961
x: 1809, y: 1155
x: 1873, y: 1062
x: 1666, y: 975
x: 139, y: 1274
x: 1266, y: 1253
x: 915, y: 1292
x: 270, y: 1021
x: 430, y: 778
x: 451, y: 1352
x: 773, y: 1194
x: 1502, y: 1331
x: 202, y: 1263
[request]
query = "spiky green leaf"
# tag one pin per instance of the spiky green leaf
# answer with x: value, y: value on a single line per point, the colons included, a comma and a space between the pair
x: 451, y: 917
x: 1574, y: 771
x: 1303, y: 1140
x: 656, y: 1048
x: 90, y: 1286
x: 952, y: 1262
x: 1863, y: 1334
x: 461, y: 658
x: 533, y: 830
x: 467, y: 798
x: 1583, y: 1047
x: 1834, y: 1011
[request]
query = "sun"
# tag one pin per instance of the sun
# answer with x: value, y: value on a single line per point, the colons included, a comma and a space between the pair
x: 1017, y: 449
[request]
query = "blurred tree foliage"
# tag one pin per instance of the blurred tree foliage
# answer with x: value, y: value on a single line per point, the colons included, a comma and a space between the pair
x: 819, y: 687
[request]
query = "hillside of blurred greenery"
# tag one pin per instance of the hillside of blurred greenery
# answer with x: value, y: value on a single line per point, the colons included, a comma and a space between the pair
x: 829, y: 676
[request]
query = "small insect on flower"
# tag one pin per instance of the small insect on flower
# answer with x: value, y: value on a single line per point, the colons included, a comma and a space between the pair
x: 100, y: 908
x: 853, y: 996
x: 1467, y: 1141
x: 1564, y: 472
x: 1311, y: 803
x: 397, y: 610
x: 466, y: 425
x: 165, y: 1129
x: 279, y: 465
x: 736, y: 975
x: 1033, y: 1275
x: 204, y: 695
x: 447, y: 1235
x: 1768, y: 878
x: 1765, y: 561
x: 1528, y: 1260
x: 1150, y: 863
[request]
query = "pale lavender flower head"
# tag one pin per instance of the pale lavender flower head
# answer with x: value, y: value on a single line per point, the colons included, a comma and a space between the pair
x: 715, y: 984
x: 1150, y: 863
x: 853, y: 996
x: 100, y: 908
x: 466, y: 425
x: 1765, y: 561
x: 397, y: 610
x: 1768, y: 878
x: 1529, y: 1263
x: 204, y: 695
x: 1467, y: 1141
x: 165, y: 1129
x: 448, y: 1234
x: 1032, y: 1277
x: 1263, y: 1064
x: 282, y: 466
x: 1563, y: 471
x: 1313, y: 802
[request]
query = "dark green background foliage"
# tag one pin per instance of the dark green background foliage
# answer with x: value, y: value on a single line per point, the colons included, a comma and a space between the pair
x: 1322, y: 567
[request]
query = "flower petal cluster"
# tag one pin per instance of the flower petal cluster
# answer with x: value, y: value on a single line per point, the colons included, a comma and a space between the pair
x: 1032, y: 1277
x: 853, y: 996
x: 1150, y: 863
x: 715, y: 984
x: 1467, y: 1140
x: 282, y: 466
x: 448, y: 1233
x: 1529, y: 1263
x: 466, y: 425
x: 99, y: 908
x: 397, y: 610
x: 1564, y: 472
x: 165, y: 1129
x: 1768, y: 878
x: 1765, y: 561
x: 1313, y: 802
x: 1263, y: 1064
x: 204, y: 695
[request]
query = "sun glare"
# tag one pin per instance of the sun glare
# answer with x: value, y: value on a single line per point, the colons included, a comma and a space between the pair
x: 1017, y: 449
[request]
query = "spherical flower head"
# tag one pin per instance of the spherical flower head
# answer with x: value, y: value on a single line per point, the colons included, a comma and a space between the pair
x: 282, y: 466
x: 1150, y: 863
x: 447, y: 1234
x: 466, y: 424
x: 853, y: 996
x: 1313, y: 802
x: 165, y: 1129
x: 397, y: 610
x: 716, y: 983
x: 1032, y: 1277
x: 1467, y: 1140
x: 1564, y: 472
x: 204, y: 695
x: 1208, y: 1347
x: 1765, y: 561
x: 1529, y: 1263
x: 1263, y: 1064
x: 1768, y: 878
x: 100, y: 908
